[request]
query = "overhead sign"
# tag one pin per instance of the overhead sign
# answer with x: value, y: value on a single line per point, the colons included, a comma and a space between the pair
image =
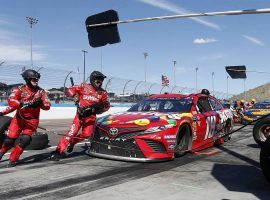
x: 236, y: 72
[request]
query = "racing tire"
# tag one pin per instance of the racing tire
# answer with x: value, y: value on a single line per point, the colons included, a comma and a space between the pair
x: 265, y: 159
x: 4, y: 124
x: 182, y: 141
x: 259, y: 129
x: 39, y: 141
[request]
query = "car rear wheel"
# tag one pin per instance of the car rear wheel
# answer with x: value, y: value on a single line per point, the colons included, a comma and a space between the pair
x: 265, y: 159
x: 261, y: 130
x: 182, y: 141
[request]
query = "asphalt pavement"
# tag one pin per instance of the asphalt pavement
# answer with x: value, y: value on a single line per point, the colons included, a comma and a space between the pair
x: 230, y: 171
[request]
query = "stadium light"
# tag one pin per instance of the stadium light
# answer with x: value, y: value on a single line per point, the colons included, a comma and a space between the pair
x: 196, y: 69
x: 32, y: 21
x: 145, y: 54
x: 174, y: 63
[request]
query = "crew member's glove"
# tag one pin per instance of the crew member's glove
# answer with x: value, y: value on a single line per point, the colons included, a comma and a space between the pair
x: 32, y: 104
x: 85, y: 111
x: 100, y: 107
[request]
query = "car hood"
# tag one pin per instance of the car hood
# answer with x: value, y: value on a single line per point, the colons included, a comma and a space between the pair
x: 145, y: 119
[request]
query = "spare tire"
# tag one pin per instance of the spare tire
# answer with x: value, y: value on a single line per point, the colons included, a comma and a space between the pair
x: 39, y: 141
x: 265, y: 159
x: 4, y: 124
x: 261, y: 130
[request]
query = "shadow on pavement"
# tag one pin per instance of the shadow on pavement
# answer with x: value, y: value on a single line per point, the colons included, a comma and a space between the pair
x: 242, y: 178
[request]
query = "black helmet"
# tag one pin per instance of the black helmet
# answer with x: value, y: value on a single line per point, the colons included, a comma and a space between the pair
x: 29, y: 74
x: 96, y: 75
x: 205, y: 91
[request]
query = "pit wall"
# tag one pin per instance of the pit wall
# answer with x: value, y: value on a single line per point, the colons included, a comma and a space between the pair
x: 67, y: 112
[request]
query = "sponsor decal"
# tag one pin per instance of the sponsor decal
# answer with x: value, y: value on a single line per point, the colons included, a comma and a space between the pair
x: 102, y: 138
x: 171, y: 141
x: 172, y: 121
x: 174, y: 116
x: 171, y: 146
x: 142, y: 122
x: 186, y: 114
x: 154, y: 118
x: 90, y: 98
x: 194, y: 112
x: 107, y: 122
x: 71, y: 131
x: 169, y: 136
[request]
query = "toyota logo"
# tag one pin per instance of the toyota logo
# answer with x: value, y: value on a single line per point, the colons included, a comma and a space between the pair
x: 113, y: 131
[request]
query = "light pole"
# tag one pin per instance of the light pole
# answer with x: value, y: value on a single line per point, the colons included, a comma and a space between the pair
x: 196, y: 70
x: 245, y: 88
x: 227, y: 86
x: 174, y: 63
x: 31, y: 21
x: 84, y: 64
x: 101, y: 59
x: 145, y: 56
x: 213, y: 73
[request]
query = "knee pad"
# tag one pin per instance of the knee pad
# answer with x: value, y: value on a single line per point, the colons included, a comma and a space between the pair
x: 9, y: 141
x: 25, y: 140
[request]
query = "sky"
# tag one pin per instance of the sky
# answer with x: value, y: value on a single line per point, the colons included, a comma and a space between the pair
x: 206, y: 43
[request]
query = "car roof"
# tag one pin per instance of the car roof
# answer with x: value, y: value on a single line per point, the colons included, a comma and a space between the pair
x: 173, y: 95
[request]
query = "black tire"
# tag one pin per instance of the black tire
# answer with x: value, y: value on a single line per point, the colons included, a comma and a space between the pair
x: 4, y: 124
x: 39, y: 141
x: 182, y: 141
x: 258, y: 134
x: 265, y: 159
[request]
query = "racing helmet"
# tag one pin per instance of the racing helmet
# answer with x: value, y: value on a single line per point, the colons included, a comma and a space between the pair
x: 30, y: 74
x: 242, y: 102
x: 205, y: 91
x: 96, y: 79
x: 253, y: 101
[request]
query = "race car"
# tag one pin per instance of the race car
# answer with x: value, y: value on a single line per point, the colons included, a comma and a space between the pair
x: 259, y: 109
x: 162, y: 127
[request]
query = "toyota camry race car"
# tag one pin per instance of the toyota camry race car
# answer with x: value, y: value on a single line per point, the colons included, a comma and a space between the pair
x: 162, y: 127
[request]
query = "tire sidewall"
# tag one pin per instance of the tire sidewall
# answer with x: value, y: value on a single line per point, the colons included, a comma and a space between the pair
x: 257, y: 127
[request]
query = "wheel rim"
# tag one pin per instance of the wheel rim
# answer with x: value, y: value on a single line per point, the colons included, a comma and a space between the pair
x: 264, y: 132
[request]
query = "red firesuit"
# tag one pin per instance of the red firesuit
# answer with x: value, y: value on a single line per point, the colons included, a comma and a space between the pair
x: 26, y: 119
x: 91, y: 102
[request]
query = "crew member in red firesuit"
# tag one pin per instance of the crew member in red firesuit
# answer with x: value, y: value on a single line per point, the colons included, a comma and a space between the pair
x: 27, y: 100
x: 91, y: 99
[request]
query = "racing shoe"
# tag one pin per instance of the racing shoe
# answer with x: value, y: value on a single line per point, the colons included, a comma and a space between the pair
x: 55, y: 156
x: 70, y: 147
x: 11, y: 164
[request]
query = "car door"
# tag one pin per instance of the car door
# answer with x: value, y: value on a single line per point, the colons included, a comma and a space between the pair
x: 206, y: 122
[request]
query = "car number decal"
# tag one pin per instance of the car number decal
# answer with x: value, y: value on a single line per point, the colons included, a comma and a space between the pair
x: 210, y: 127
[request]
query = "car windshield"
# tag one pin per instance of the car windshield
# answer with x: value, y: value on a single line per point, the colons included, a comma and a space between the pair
x: 163, y: 105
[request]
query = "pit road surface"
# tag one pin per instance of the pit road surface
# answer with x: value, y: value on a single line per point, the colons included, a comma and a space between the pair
x: 230, y: 171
